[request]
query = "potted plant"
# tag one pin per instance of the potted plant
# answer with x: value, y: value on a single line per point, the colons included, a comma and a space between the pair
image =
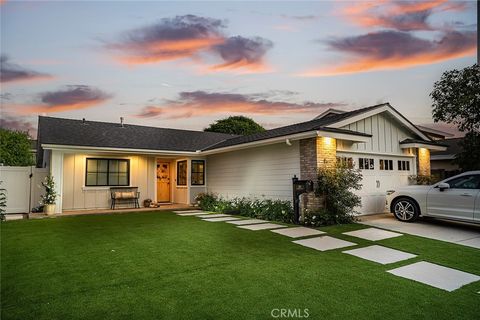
x: 48, y: 199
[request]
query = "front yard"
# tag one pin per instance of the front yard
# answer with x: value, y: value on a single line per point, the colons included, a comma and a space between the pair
x: 162, y: 266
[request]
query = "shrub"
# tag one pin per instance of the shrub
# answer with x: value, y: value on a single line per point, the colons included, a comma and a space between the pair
x: 336, y: 187
x: 50, y: 196
x: 3, y: 202
x: 423, y: 180
x: 273, y: 210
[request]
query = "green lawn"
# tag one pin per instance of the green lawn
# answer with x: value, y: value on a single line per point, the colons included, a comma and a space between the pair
x: 161, y: 266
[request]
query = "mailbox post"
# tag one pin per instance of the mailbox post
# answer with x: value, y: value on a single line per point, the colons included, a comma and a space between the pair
x: 299, y: 187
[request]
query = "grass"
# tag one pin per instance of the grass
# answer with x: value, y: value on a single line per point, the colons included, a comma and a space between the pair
x: 161, y: 266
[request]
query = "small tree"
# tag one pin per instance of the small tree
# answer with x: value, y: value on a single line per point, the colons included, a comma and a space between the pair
x: 15, y: 148
x: 336, y: 186
x: 50, y: 196
x: 3, y: 202
x: 240, y: 125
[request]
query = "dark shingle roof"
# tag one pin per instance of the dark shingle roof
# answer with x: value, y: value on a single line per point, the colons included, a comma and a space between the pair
x: 315, y: 124
x: 113, y: 135
x: 453, y: 147
x: 103, y: 134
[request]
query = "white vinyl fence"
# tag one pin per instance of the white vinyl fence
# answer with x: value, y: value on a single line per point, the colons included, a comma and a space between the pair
x: 24, y: 187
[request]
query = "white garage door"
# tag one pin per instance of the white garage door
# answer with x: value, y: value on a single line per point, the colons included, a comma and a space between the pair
x: 387, y: 173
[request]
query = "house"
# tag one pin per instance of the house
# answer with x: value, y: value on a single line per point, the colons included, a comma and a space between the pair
x: 442, y: 161
x: 169, y: 165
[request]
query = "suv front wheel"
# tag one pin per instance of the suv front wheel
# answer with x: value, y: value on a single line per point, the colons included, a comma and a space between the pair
x: 405, y: 210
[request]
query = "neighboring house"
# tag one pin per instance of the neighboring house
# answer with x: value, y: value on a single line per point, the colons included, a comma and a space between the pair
x: 442, y: 162
x: 434, y: 134
x: 169, y: 165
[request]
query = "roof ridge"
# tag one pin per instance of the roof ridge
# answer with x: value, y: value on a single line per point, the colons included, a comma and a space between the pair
x: 139, y: 125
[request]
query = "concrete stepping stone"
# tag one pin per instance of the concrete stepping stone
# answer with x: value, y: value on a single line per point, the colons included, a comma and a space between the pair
x: 246, y: 221
x: 373, y: 234
x: 324, y: 243
x: 262, y: 226
x: 216, y: 215
x: 191, y: 214
x: 434, y: 275
x: 298, y: 232
x: 221, y: 219
x: 187, y: 211
x: 380, y: 254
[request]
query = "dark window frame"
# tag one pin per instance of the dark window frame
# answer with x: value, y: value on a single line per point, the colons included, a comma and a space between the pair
x: 197, y: 172
x: 385, y: 164
x: 403, y: 165
x: 366, y: 164
x: 184, y: 178
x: 107, y: 172
x: 346, y: 161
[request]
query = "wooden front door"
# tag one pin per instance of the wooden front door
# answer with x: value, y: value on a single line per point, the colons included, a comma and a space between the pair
x: 163, y: 182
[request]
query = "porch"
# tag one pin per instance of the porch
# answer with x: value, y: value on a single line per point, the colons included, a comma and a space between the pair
x: 67, y: 213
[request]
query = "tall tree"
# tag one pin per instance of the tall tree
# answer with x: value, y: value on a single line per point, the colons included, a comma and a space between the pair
x: 15, y: 148
x: 240, y: 125
x: 456, y: 100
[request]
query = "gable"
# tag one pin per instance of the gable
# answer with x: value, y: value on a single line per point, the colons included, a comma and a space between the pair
x: 384, y: 108
x: 386, y: 131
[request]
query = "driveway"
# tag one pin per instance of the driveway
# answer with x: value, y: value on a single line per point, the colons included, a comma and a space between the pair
x: 459, y: 233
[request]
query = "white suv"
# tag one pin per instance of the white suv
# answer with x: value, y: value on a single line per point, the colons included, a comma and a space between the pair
x: 456, y: 198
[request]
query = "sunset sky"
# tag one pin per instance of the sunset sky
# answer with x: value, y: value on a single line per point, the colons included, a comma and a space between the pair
x: 185, y: 64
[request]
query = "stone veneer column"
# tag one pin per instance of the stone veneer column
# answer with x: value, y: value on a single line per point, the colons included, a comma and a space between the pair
x: 315, y: 153
x: 423, y: 159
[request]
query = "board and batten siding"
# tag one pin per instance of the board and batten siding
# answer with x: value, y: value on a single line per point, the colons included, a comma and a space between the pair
x: 76, y: 196
x: 386, y: 134
x: 256, y: 172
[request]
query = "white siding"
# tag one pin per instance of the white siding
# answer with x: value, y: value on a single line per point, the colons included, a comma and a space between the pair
x: 386, y: 134
x: 262, y: 171
x: 77, y: 196
x: 384, y: 144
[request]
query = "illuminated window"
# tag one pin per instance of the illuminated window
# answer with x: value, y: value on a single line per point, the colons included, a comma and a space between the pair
x: 386, y: 164
x: 345, y: 162
x: 182, y: 173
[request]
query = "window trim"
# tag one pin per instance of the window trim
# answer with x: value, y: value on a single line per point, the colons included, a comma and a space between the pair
x: 108, y: 172
x: 186, y: 174
x: 203, y: 173
x: 365, y: 163
x: 383, y: 167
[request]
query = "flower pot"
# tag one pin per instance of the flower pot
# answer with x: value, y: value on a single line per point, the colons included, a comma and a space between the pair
x: 49, y: 209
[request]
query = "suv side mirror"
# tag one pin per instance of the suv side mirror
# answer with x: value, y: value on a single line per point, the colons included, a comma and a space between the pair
x: 442, y: 186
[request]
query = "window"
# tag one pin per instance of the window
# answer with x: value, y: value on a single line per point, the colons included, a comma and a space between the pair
x: 386, y: 164
x: 366, y: 164
x: 198, y: 172
x: 465, y: 182
x: 345, y: 162
x: 107, y: 172
x: 403, y: 165
x: 182, y: 173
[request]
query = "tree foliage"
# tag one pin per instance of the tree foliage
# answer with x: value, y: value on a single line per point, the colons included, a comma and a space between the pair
x: 456, y: 98
x: 336, y: 186
x: 469, y: 158
x: 240, y: 125
x: 15, y: 148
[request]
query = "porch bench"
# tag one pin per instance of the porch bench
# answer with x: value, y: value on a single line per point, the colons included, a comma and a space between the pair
x: 124, y: 195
